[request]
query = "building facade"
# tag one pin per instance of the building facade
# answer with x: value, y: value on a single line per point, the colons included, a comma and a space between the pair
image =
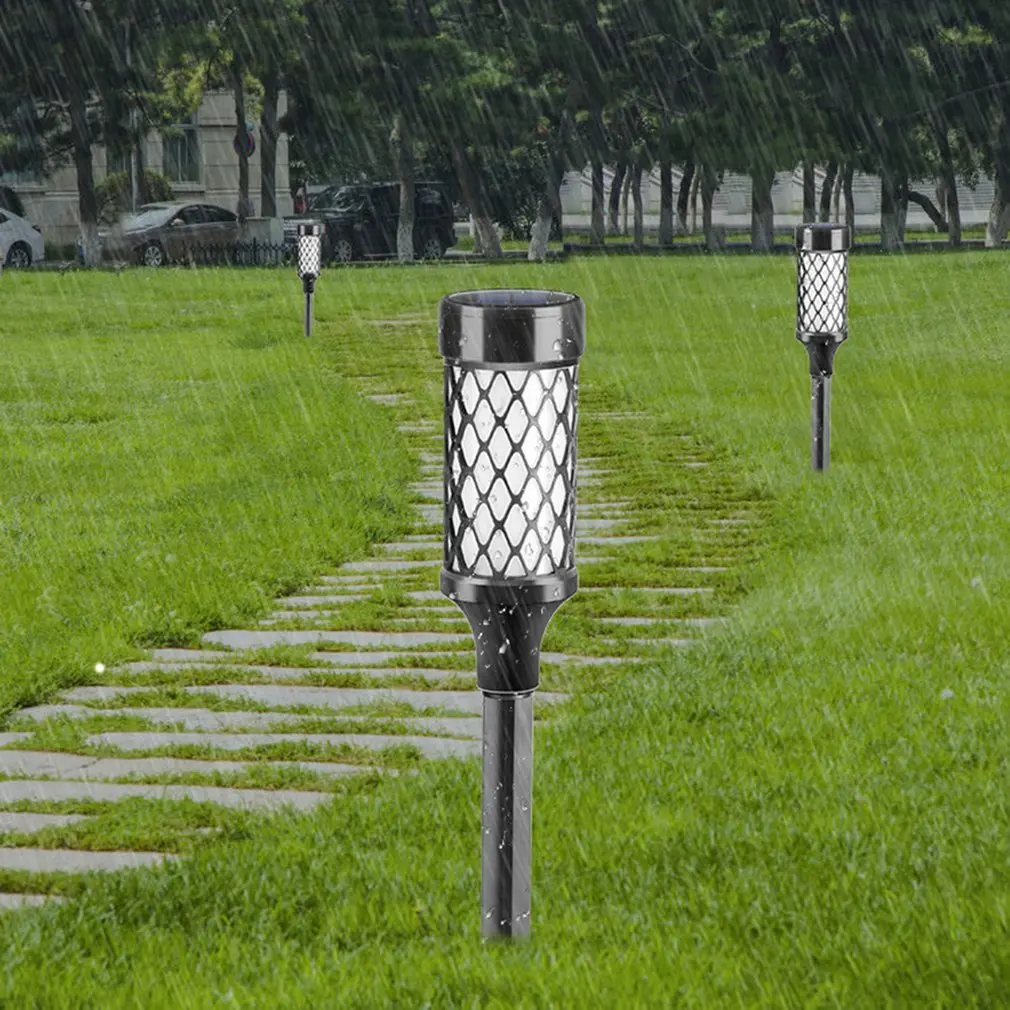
x: 198, y: 158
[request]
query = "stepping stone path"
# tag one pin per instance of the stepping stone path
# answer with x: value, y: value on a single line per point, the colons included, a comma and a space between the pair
x: 232, y: 726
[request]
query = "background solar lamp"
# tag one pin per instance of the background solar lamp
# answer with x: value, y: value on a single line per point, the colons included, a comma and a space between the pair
x: 310, y: 261
x: 822, y: 319
x: 511, y: 409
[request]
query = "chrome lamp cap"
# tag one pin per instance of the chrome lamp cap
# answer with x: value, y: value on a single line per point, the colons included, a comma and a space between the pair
x: 512, y: 327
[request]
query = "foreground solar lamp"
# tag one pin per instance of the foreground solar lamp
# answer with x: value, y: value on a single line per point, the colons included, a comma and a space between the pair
x: 511, y: 406
x: 310, y: 261
x: 822, y: 319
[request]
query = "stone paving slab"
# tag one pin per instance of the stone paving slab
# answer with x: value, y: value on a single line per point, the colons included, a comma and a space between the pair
x: 349, y: 583
x: 469, y: 702
x: 201, y: 719
x: 364, y: 659
x: 344, y: 697
x: 314, y: 601
x: 76, y: 861
x: 301, y: 672
x: 400, y: 546
x: 224, y: 670
x: 429, y: 492
x: 430, y: 513
x: 46, y: 791
x: 44, y: 764
x: 190, y: 657
x: 329, y: 615
x: 6, y: 739
x: 389, y: 566
x: 242, y: 639
x: 106, y: 769
x: 386, y: 399
x: 11, y: 902
x: 703, y: 568
x: 25, y: 824
x: 429, y: 746
x: 595, y: 524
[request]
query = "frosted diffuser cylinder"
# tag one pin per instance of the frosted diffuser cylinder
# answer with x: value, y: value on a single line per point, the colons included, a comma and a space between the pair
x: 822, y: 295
x: 510, y: 471
x: 310, y: 250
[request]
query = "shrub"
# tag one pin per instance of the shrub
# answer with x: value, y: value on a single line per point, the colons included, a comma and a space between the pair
x: 9, y: 200
x: 113, y: 193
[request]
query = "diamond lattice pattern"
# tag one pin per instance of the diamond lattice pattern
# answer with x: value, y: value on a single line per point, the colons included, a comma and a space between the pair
x: 510, y: 471
x: 823, y: 293
x: 309, y: 255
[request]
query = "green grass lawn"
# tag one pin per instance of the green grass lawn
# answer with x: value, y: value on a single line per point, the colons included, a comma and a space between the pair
x: 808, y: 810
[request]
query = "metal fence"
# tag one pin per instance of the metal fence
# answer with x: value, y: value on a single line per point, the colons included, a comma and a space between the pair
x: 252, y: 253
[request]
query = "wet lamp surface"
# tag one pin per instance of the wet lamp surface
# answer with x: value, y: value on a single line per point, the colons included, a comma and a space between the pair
x: 310, y: 261
x: 822, y: 319
x: 511, y: 410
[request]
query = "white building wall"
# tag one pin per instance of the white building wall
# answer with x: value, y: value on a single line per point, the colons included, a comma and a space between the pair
x: 731, y: 206
x: 52, y: 203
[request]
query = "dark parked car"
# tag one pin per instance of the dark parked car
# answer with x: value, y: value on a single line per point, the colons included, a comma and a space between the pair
x: 361, y: 220
x: 161, y: 232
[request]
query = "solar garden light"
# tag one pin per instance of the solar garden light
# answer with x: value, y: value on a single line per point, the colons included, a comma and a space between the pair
x: 511, y: 406
x: 822, y: 319
x: 310, y: 259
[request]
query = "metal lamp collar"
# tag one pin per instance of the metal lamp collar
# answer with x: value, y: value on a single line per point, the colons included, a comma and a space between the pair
x: 512, y: 328
x: 830, y: 238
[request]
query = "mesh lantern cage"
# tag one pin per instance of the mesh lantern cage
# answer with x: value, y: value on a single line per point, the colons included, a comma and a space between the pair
x: 310, y: 262
x: 511, y: 412
x: 822, y: 319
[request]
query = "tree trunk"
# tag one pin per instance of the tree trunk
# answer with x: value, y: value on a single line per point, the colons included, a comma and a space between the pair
x: 850, y: 204
x: 695, y: 189
x: 891, y: 223
x: 625, y: 193
x: 87, y: 202
x: 238, y: 87
x: 999, y: 212
x: 403, y: 156
x: 932, y: 211
x: 709, y: 182
x: 666, y: 203
x: 550, y: 207
x: 762, y: 211
x: 614, y: 203
x: 268, y: 145
x: 638, y: 241
x: 684, y: 198
x: 809, y: 192
x: 486, y: 240
x: 143, y: 190
x: 598, y: 226
x: 830, y: 174
x: 836, y: 200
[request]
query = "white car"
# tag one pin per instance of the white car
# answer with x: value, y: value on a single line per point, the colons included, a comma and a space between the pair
x: 21, y: 242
